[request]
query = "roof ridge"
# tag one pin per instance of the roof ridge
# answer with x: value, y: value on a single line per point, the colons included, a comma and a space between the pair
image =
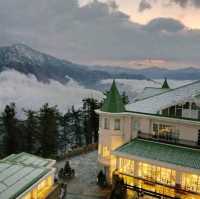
x: 198, y: 81
x: 168, y: 144
x: 153, y: 87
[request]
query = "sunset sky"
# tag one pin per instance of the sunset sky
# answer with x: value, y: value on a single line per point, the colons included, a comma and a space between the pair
x: 189, y: 14
x: 131, y: 33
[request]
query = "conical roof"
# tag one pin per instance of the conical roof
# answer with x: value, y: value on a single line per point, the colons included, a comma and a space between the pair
x: 165, y: 84
x: 113, y: 103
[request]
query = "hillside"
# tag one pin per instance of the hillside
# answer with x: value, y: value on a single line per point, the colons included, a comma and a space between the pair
x: 45, y: 67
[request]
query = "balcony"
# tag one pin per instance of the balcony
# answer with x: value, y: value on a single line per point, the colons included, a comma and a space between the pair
x: 168, y: 140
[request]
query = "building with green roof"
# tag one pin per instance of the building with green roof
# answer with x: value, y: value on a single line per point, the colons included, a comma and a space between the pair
x: 153, y: 143
x: 25, y: 176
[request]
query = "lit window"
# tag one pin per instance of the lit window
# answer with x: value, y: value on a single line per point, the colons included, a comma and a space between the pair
x: 117, y: 124
x: 106, y: 123
x: 157, y: 174
x: 50, y: 181
x: 99, y: 149
x: 42, y: 185
x: 126, y: 166
x: 34, y: 193
x: 191, y: 182
x: 105, y: 152
x: 164, y: 131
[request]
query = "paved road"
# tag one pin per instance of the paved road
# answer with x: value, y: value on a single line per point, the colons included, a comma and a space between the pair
x: 83, y: 186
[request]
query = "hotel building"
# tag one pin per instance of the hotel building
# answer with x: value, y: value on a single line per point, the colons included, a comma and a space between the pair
x: 25, y: 176
x: 154, y: 142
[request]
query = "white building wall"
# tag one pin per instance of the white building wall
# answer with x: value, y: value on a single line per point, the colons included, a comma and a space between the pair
x: 188, y: 132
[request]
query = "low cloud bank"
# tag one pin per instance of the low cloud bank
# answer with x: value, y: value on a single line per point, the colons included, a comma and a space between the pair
x: 28, y: 93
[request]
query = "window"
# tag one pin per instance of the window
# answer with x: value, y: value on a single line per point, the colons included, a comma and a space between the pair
x: 194, y: 106
x: 155, y: 129
x: 50, y: 181
x: 105, y: 152
x: 157, y: 174
x: 106, y: 123
x: 186, y: 105
x: 126, y: 166
x: 191, y: 182
x: 99, y: 149
x: 165, y: 131
x: 136, y: 125
x: 147, y: 171
x: 179, y: 111
x: 165, y: 112
x: 172, y: 111
x: 117, y: 124
x: 27, y: 196
x: 198, y: 141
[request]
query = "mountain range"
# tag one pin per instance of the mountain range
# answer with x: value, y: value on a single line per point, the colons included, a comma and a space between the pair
x: 44, y: 67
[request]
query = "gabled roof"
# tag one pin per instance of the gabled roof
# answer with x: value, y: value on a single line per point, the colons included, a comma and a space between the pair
x: 168, y: 153
x: 113, y: 103
x: 165, y: 84
x: 164, y: 100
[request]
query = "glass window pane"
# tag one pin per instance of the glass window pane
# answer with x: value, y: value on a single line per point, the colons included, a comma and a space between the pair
x: 117, y: 124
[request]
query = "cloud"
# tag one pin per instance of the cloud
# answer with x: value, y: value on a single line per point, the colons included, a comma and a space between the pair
x: 164, y: 24
x: 144, y: 5
x: 96, y: 31
x: 28, y: 93
x: 185, y: 3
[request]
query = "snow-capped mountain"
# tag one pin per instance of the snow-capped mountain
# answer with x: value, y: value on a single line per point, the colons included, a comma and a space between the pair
x: 45, y: 67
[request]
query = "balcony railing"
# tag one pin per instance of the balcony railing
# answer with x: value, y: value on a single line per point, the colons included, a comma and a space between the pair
x: 168, y: 140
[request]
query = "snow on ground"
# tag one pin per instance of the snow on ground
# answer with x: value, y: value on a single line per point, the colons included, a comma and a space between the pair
x: 84, y: 186
x: 29, y: 93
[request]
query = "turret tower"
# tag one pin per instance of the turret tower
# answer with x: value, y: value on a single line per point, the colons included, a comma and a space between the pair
x: 111, y: 130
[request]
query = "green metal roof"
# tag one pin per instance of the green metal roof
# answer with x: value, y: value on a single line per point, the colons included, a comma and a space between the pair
x: 29, y: 160
x: 18, y: 172
x: 15, y: 179
x: 165, y: 84
x: 113, y: 103
x: 173, y: 154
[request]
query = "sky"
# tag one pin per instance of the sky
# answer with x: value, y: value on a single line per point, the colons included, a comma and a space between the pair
x: 146, y: 10
x: 130, y: 33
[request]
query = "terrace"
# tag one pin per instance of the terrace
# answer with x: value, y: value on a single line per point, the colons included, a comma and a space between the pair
x: 168, y: 139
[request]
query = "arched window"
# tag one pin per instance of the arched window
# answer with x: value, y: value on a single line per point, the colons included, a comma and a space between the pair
x: 186, y: 105
x: 194, y: 106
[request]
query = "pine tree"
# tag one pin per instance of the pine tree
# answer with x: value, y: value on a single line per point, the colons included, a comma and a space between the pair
x: 31, y: 128
x: 77, y: 126
x: 66, y: 134
x: 91, y: 119
x: 12, y: 137
x: 49, y: 130
x: 2, y: 138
